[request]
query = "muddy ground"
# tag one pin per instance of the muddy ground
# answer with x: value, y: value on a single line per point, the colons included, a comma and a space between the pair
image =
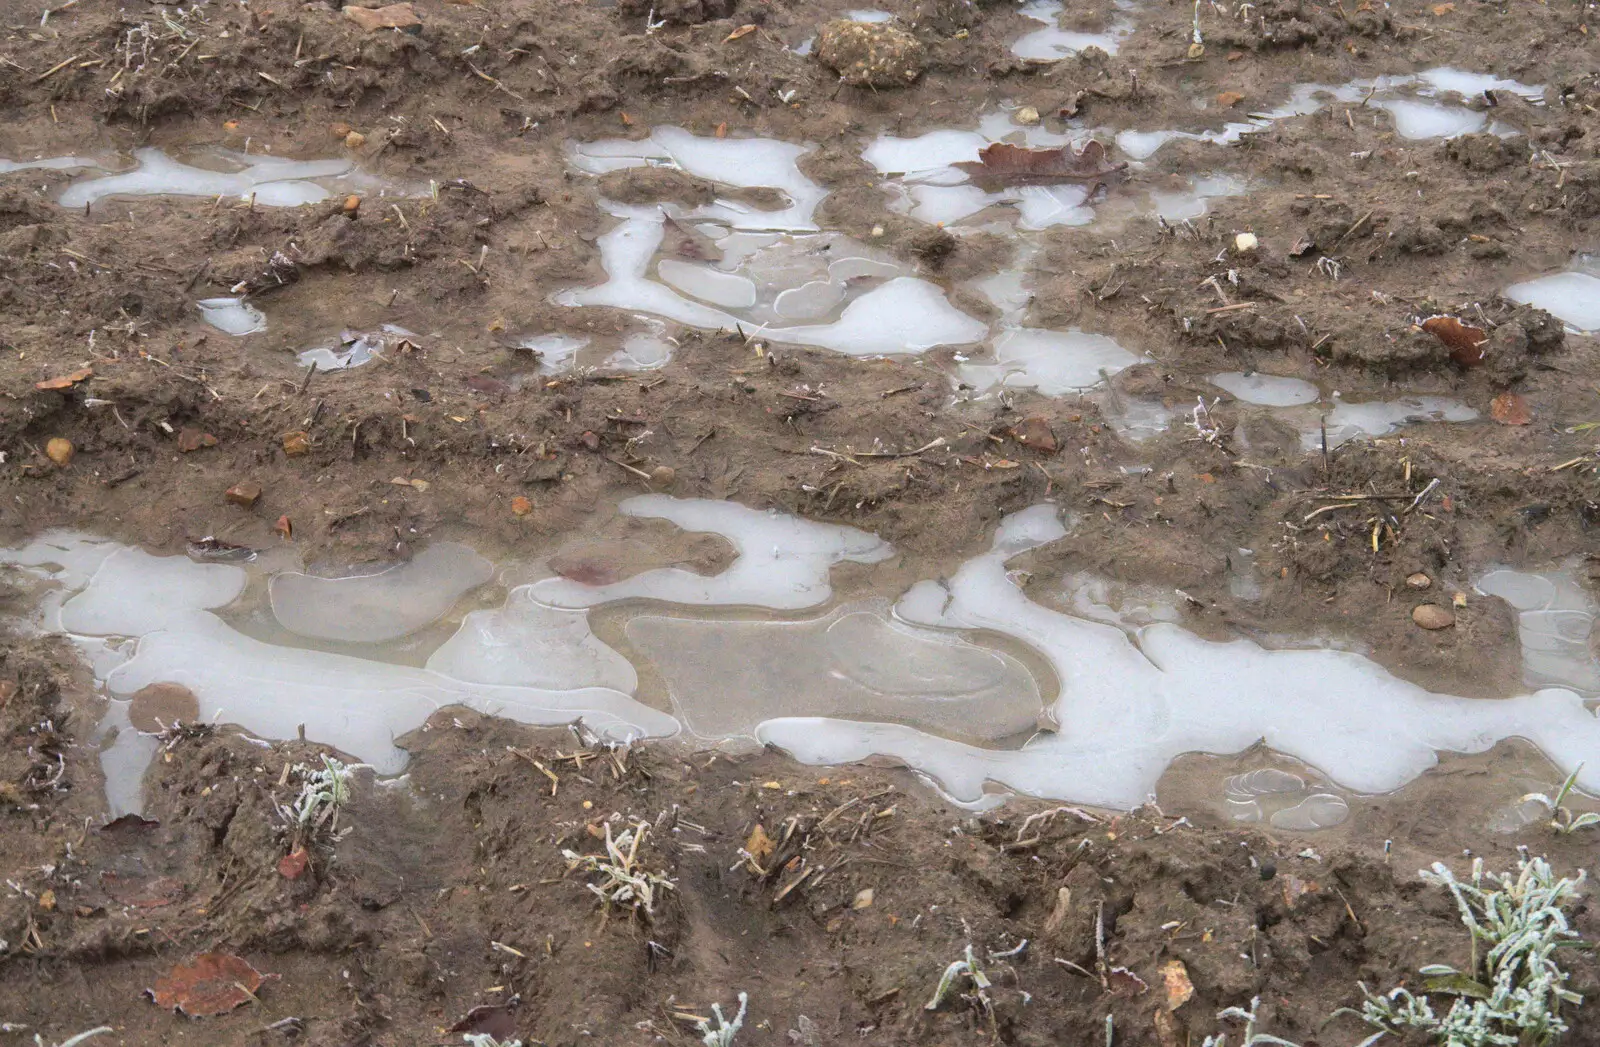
x: 386, y: 940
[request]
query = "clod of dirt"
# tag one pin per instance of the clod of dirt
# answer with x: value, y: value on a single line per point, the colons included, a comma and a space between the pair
x: 191, y: 440
x: 871, y: 54
x: 1466, y: 344
x: 159, y: 705
x: 59, y: 450
x: 1026, y: 116
x: 1510, y: 409
x: 244, y: 494
x: 934, y: 246
x: 1002, y: 164
x: 1432, y: 616
x: 215, y: 983
x: 1418, y: 581
x: 354, y: 140
x: 663, y: 476
x: 394, y: 16
x: 1481, y: 152
x: 1246, y: 243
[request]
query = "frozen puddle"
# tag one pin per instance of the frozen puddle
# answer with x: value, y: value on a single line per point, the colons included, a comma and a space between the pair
x: 1412, y: 103
x: 353, y: 348
x: 1555, y: 619
x: 1572, y: 297
x: 1133, y: 698
x: 1052, y: 42
x: 1349, y: 421
x: 271, y: 181
x: 917, y: 682
x: 232, y: 316
x: 767, y: 281
x: 1266, y: 390
x: 1053, y: 362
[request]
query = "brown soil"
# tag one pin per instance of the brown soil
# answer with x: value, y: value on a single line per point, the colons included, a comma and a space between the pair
x: 387, y: 938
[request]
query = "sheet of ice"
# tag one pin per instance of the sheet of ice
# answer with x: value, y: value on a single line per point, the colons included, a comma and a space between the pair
x: 556, y: 351
x: 1053, y: 42
x: 1196, y: 200
x: 782, y: 563
x: 1416, y: 119
x: 1134, y: 698
x: 124, y: 760
x: 1137, y: 419
x: 1053, y: 362
x: 528, y: 644
x: 726, y: 677
x: 232, y: 316
x: 133, y: 592
x: 1283, y: 800
x: 741, y: 162
x: 353, y: 349
x: 641, y: 352
x: 1468, y: 84
x: 50, y: 163
x: 1347, y: 421
x: 354, y: 704
x: 372, y: 608
x: 905, y: 315
x: 1572, y: 298
x: 274, y: 182
x: 728, y: 290
x: 869, y: 15
x: 1555, y: 619
x: 1266, y: 390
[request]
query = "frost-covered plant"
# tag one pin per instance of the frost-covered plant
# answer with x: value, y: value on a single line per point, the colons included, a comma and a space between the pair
x: 625, y: 881
x: 723, y: 1034
x: 1512, y: 994
x: 966, y: 967
x: 483, y: 1039
x: 1562, y: 820
x: 1251, y: 1037
x: 322, y: 794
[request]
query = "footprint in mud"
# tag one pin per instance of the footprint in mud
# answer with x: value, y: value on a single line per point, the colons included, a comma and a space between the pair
x: 1282, y: 800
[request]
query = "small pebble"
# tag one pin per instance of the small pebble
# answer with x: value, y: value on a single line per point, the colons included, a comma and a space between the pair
x: 1418, y: 581
x: 1026, y: 116
x: 1432, y: 616
x: 59, y: 450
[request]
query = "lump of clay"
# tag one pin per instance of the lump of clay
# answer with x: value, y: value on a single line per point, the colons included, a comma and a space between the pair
x: 871, y: 53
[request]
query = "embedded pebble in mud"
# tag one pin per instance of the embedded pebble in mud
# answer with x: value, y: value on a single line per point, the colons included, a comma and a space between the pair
x: 1133, y: 698
x: 372, y: 608
x: 782, y: 563
x: 1573, y: 298
x: 726, y: 677
x: 1555, y: 619
x: 1266, y: 390
x: 871, y: 54
x: 271, y: 181
x: 232, y: 316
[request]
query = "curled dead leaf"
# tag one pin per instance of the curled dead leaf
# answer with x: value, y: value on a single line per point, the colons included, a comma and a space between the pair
x: 1466, y: 344
x: 213, y: 983
x: 1510, y: 409
x: 1035, y: 433
x: 744, y: 30
x: 1123, y: 982
x: 1180, y: 990
x: 1003, y: 164
x: 191, y: 440
x: 65, y: 381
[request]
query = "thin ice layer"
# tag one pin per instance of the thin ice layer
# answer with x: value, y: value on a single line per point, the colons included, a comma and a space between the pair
x: 372, y: 608
x: 1133, y: 699
x: 782, y: 563
x: 527, y: 644
x: 272, y: 181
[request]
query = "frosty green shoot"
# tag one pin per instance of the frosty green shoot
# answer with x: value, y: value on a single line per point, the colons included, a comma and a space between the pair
x: 966, y: 967
x: 625, y: 881
x: 723, y: 1034
x: 1562, y: 819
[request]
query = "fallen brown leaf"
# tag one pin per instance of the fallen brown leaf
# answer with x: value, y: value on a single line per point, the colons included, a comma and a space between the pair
x: 1466, y: 344
x: 1510, y: 409
x: 1443, y: 9
x: 1123, y: 982
x: 66, y: 381
x: 1002, y: 164
x: 297, y: 443
x: 1179, y: 988
x: 759, y: 845
x: 1035, y: 433
x: 394, y: 16
x: 214, y: 983
x: 744, y: 30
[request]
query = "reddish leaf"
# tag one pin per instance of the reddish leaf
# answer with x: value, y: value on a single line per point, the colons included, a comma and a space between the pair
x: 292, y: 866
x: 66, y: 381
x: 1124, y: 982
x: 487, y: 1021
x: 1002, y: 164
x: 1466, y: 344
x: 215, y: 983
x: 1510, y: 409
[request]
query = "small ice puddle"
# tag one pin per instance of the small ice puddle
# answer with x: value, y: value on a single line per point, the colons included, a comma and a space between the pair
x: 1283, y: 800
x: 1572, y: 297
x: 232, y: 316
x: 353, y: 349
x: 557, y: 352
x: 782, y: 563
x: 726, y: 677
x: 783, y: 278
x: 1052, y: 362
x: 1348, y: 421
x: 1555, y: 619
x: 372, y: 608
x: 1053, y: 43
x: 869, y: 15
x: 1133, y: 698
x: 1266, y: 390
x: 1196, y: 200
x: 746, y: 163
x: 50, y: 163
x: 271, y: 181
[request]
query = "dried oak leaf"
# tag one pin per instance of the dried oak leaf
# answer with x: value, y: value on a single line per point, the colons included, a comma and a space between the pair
x: 65, y: 381
x: 1466, y: 344
x: 214, y: 983
x: 1002, y: 164
x: 1510, y: 409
